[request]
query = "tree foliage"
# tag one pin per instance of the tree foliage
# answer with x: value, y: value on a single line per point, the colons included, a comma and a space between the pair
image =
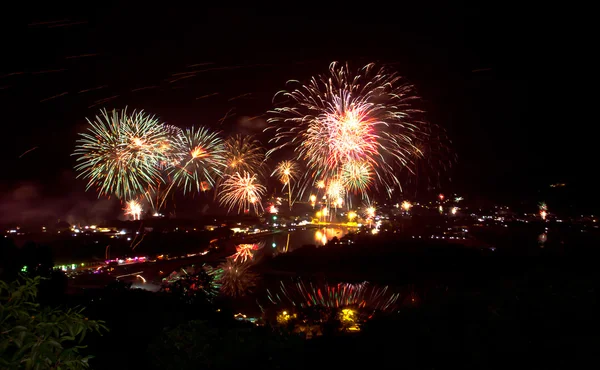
x: 34, y: 337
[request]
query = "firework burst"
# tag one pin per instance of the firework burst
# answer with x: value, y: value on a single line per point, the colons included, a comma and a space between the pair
x: 287, y: 172
x: 243, y: 153
x: 134, y: 209
x: 236, y: 278
x: 243, y: 191
x: 202, y: 159
x: 194, y: 282
x: 335, y: 189
x: 244, y: 252
x: 364, y: 118
x: 120, y: 154
x: 357, y: 176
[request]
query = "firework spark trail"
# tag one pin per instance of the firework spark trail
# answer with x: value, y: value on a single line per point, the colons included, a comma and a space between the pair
x: 239, y: 96
x: 54, y: 97
x: 81, y: 56
x: 12, y: 74
x: 48, y: 71
x: 27, y: 151
x: 227, y: 115
x: 207, y: 95
x: 242, y: 190
x: 102, y: 101
x: 68, y: 24
x: 364, y: 118
x: 199, y: 64
x: 92, y: 89
x: 119, y: 154
x: 144, y: 88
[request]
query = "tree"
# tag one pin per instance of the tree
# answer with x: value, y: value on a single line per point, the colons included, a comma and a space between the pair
x: 33, y: 337
x: 202, y: 344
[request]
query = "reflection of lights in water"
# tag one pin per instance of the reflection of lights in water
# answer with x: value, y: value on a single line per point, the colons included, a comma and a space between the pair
x: 542, y: 238
x: 324, y: 235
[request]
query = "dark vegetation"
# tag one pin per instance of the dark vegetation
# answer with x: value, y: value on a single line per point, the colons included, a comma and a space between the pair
x: 508, y: 308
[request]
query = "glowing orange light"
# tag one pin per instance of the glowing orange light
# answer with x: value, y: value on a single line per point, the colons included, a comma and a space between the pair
x: 197, y: 152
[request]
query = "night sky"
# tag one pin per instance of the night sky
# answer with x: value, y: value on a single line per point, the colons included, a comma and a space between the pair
x: 472, y: 67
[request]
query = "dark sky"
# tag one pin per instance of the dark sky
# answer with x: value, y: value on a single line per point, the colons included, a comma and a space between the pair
x: 473, y: 67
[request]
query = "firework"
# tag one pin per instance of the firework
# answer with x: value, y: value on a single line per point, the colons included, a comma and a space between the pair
x: 287, y: 172
x: 371, y: 212
x: 243, y: 153
x: 364, y: 118
x: 342, y: 295
x: 335, y: 189
x: 236, y: 279
x: 171, y: 157
x: 120, y: 154
x: 193, y: 282
x: 243, y: 191
x: 245, y: 252
x: 133, y: 208
x: 357, y: 176
x: 202, y: 159
x: 406, y: 205
x: 351, y: 216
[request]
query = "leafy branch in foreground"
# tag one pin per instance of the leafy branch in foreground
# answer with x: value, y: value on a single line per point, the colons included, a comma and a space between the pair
x: 32, y: 337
